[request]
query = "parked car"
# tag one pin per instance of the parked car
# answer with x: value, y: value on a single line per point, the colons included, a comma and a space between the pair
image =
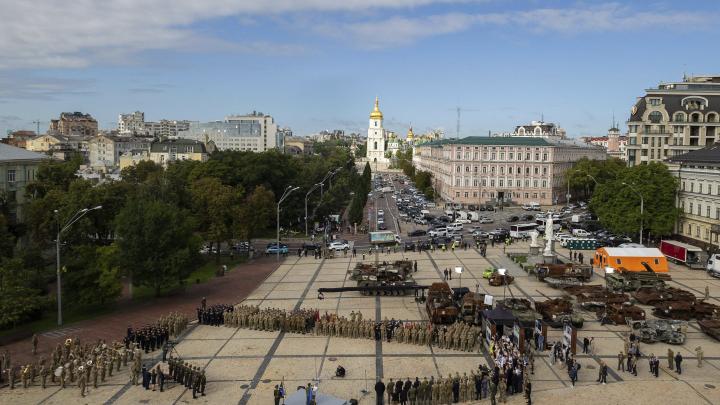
x: 485, y: 221
x: 417, y: 232
x: 409, y: 246
x: 513, y: 218
x: 463, y: 221
x: 381, y: 226
x: 272, y: 248
x: 420, y: 221
x: 339, y: 245
x: 480, y: 234
x: 526, y: 217
x: 310, y: 246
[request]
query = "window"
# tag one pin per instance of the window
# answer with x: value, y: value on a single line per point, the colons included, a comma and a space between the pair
x: 510, y: 156
x: 510, y: 170
x: 707, y: 211
x: 655, y: 117
x: 484, y: 182
x: 544, y: 156
x: 502, y: 183
x: 691, y: 208
x: 457, y: 194
x: 466, y: 195
x: 492, y: 183
x: 544, y: 183
x: 484, y: 169
x: 544, y: 171
x: 457, y: 169
x: 618, y: 261
x: 537, y: 171
x: 657, y: 261
x: 11, y: 176
x: 679, y: 117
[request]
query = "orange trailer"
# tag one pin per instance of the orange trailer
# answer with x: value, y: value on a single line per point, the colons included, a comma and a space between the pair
x: 630, y: 259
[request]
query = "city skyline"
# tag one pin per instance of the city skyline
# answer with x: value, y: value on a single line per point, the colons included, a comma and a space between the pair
x: 318, y: 65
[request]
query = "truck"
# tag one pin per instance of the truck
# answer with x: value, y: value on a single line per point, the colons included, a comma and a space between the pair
x: 387, y: 189
x: 689, y: 255
x: 384, y: 238
x: 713, y: 265
x: 473, y: 216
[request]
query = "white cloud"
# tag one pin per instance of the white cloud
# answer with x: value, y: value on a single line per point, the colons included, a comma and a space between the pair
x: 398, y: 31
x: 57, y: 33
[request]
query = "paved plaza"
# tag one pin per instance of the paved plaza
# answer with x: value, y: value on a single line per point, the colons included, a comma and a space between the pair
x: 243, y: 365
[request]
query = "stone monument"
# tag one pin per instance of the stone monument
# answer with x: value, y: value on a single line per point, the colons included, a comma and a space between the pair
x: 549, y: 255
x: 534, y: 247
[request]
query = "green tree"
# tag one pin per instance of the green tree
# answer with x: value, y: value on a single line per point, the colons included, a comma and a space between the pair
x: 156, y: 245
x: 19, y: 302
x: 216, y: 207
x: 92, y: 275
x: 618, y: 206
x: 581, y: 182
x: 256, y: 214
x: 140, y: 172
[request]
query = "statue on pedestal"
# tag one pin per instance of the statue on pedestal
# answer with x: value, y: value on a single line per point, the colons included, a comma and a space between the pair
x: 533, y: 238
x: 549, y: 235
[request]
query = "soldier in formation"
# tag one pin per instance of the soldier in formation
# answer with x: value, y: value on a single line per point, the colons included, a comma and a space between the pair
x: 271, y: 319
x: 213, y: 315
x: 189, y: 376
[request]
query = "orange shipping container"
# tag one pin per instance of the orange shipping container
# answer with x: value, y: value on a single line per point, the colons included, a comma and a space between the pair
x: 630, y: 259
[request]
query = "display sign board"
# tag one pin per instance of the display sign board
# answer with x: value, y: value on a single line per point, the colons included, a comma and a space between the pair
x: 488, y: 300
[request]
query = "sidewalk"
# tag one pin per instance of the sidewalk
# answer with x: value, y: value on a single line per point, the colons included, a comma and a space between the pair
x: 230, y: 289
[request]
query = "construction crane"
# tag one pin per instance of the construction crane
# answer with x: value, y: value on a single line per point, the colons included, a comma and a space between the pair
x: 459, y: 109
x: 37, y: 122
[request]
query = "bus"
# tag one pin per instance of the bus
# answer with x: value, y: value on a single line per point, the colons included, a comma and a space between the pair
x: 521, y: 230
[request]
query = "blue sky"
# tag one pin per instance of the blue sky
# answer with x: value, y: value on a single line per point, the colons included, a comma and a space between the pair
x: 318, y: 64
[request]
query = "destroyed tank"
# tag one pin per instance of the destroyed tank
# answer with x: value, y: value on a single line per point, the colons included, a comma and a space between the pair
x: 711, y: 327
x: 685, y: 310
x: 521, y: 309
x: 440, y: 306
x: 620, y: 314
x: 471, y: 306
x: 600, y: 298
x: 392, y: 278
x: 577, y: 289
x: 497, y: 279
x: 571, y: 271
x: 631, y: 281
x: 557, y: 312
x: 660, y: 330
x: 652, y: 296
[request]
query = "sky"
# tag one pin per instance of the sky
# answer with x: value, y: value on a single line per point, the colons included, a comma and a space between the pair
x: 319, y: 64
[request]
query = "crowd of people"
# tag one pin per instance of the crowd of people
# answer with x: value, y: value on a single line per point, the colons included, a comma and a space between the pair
x: 82, y: 364
x: 213, y: 315
x: 512, y: 369
x: 270, y: 319
x: 452, y: 389
x: 190, y: 376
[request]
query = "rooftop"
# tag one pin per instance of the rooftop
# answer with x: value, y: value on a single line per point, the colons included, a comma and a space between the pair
x: 492, y: 141
x: 710, y: 154
x: 10, y: 153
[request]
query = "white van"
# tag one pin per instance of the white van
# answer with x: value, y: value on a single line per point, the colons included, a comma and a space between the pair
x: 713, y: 265
x: 462, y: 214
x: 473, y: 216
x: 449, y: 213
x: 581, y: 233
x: 438, y: 232
x: 534, y: 206
x: 455, y: 226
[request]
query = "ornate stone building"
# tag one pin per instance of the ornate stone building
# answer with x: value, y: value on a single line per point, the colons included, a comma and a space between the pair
x: 673, y: 119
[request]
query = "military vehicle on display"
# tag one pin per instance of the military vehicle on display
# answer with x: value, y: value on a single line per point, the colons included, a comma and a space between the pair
x: 660, y: 330
x: 522, y: 309
x: 440, y: 305
x: 577, y: 289
x: 497, y: 279
x: 685, y: 310
x: 600, y: 297
x: 652, y: 296
x: 557, y: 312
x: 632, y: 281
x: 711, y: 327
x: 620, y: 314
x: 381, y: 279
x: 567, y: 271
x: 471, y: 306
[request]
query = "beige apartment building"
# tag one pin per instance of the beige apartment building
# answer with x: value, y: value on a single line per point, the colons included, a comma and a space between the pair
x: 673, y: 119
x: 74, y: 123
x: 516, y: 169
x: 698, y: 197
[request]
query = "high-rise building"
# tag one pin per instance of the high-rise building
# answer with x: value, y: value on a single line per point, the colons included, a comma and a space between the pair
x: 74, y: 123
x: 131, y: 124
x: 255, y: 132
x: 673, y: 119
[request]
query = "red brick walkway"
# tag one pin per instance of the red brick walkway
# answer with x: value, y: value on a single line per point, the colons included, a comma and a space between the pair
x: 230, y: 289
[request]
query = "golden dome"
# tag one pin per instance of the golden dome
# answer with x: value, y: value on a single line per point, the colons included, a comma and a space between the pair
x: 376, y: 114
x: 410, y: 134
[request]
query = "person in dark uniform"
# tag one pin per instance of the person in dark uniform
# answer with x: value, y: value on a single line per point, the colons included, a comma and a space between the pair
x: 398, y: 390
x: 379, y: 390
x: 678, y: 362
x: 456, y: 390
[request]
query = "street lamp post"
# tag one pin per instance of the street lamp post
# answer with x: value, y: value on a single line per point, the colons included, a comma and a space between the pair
x: 58, y: 242
x: 642, y: 208
x: 314, y: 187
x: 286, y: 193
